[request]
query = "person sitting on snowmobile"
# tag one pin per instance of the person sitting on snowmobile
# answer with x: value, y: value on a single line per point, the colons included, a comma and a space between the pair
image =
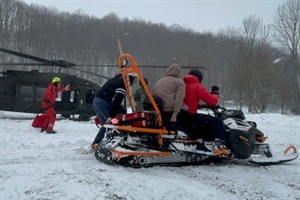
x: 195, y: 92
x: 171, y: 89
x: 107, y: 102
x: 140, y: 95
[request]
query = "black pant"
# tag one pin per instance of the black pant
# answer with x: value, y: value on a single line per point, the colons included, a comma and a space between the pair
x: 185, y: 121
x: 196, y: 126
x: 99, y: 137
x: 209, y: 127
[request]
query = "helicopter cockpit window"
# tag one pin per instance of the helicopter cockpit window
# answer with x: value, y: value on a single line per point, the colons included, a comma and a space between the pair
x: 40, y: 93
x: 26, y: 93
x: 89, y: 96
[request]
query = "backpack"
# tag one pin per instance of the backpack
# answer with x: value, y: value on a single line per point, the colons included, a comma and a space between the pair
x: 39, y: 120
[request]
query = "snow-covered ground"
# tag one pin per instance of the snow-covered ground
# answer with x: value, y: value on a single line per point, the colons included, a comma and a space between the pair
x: 35, y: 165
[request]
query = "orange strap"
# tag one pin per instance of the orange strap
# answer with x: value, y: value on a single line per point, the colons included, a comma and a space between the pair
x: 289, y: 148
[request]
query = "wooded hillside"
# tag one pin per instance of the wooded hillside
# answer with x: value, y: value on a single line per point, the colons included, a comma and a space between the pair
x: 250, y: 63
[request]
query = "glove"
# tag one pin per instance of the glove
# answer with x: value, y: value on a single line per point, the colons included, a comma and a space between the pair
x: 67, y: 87
x: 214, y: 89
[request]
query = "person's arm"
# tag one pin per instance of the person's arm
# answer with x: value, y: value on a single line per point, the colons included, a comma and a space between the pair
x: 116, y: 101
x: 179, y: 96
x: 63, y: 89
x: 208, y: 98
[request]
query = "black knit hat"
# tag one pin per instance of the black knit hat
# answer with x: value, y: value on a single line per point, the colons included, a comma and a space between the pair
x: 197, y: 73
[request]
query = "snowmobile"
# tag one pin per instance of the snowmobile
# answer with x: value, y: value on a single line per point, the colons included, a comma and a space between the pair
x: 142, y: 139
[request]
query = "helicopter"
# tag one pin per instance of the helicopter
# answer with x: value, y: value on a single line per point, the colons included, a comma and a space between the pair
x: 22, y: 91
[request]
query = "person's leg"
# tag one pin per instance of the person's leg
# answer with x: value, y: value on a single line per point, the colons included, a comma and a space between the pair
x: 102, y: 109
x: 166, y: 116
x: 186, y: 122
x: 212, y: 127
x: 204, y: 129
x: 218, y: 133
x: 46, y: 122
x: 46, y: 106
x: 219, y: 130
x: 52, y: 118
x: 99, y: 137
x: 198, y: 131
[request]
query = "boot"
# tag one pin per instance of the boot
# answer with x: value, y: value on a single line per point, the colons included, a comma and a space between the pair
x: 202, y: 147
x: 51, y: 132
x: 220, y: 149
x: 94, y: 146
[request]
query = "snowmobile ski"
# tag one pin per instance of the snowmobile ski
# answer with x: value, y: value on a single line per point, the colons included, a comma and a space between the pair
x: 278, y: 159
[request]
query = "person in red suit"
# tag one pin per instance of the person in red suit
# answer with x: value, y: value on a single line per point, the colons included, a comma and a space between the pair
x: 48, y: 101
x: 204, y: 124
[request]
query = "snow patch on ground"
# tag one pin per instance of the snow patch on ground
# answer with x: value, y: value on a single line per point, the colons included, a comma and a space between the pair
x: 35, y: 165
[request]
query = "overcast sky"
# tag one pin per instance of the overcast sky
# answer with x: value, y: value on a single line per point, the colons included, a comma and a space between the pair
x: 200, y: 15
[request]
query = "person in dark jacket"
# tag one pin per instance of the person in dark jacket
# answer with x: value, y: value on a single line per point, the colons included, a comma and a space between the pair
x: 196, y: 92
x: 140, y: 96
x: 48, y: 101
x: 107, y: 102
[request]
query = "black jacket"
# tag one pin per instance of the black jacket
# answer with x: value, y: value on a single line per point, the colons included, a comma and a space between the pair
x: 113, y: 91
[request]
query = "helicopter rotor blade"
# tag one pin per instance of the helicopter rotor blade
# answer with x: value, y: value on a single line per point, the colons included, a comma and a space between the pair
x: 101, y: 76
x: 141, y: 66
x: 165, y: 67
x: 95, y: 65
x: 146, y: 66
x: 25, y: 64
x: 23, y: 55
x: 66, y: 64
x: 58, y: 63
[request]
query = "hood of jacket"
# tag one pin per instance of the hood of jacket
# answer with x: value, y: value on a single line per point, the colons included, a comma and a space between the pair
x: 191, y: 79
x: 173, y: 70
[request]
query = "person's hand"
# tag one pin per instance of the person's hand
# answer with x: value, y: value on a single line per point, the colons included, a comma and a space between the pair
x: 67, y: 87
x: 214, y: 89
x: 173, y: 118
x: 108, y: 121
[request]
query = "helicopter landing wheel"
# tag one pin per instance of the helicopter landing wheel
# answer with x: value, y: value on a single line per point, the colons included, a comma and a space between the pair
x: 66, y: 115
x: 84, y: 117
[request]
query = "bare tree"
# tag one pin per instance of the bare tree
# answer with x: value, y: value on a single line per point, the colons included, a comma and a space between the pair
x: 252, y: 66
x: 287, y: 29
x: 227, y: 43
x: 238, y: 61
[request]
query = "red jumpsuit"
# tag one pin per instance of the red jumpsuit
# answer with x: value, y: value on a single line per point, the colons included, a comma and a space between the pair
x: 47, y: 103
